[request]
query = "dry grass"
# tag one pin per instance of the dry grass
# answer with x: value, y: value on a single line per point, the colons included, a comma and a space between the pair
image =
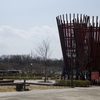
x: 31, y: 87
x: 42, y: 87
x: 7, y: 88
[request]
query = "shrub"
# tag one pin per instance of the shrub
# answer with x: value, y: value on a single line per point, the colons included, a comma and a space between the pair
x: 76, y: 83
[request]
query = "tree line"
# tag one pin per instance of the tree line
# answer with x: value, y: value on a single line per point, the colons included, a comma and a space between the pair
x: 28, y: 64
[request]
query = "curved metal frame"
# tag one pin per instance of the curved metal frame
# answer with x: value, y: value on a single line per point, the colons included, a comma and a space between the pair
x: 80, y: 41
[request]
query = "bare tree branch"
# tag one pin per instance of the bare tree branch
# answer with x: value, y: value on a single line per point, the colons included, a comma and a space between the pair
x: 43, y: 51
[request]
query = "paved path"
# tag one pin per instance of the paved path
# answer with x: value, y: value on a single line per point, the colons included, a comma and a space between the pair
x: 91, y: 93
x: 49, y: 82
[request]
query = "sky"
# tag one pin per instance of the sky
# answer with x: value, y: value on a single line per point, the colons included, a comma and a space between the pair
x: 25, y: 23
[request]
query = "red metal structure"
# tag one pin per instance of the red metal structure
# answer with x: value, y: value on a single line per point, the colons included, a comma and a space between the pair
x: 80, y: 42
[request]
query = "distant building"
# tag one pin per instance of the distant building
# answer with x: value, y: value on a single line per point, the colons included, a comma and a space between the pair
x: 9, y: 72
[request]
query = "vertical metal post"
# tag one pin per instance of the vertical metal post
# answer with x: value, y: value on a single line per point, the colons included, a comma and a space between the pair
x: 72, y: 85
x: 24, y: 84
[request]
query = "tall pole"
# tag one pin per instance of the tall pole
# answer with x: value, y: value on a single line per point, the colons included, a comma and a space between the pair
x: 72, y: 70
x: 31, y: 69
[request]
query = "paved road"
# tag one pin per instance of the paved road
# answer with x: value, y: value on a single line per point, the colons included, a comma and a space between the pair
x: 91, y: 93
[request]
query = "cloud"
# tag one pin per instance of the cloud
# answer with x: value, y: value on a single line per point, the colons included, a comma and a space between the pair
x: 18, y: 41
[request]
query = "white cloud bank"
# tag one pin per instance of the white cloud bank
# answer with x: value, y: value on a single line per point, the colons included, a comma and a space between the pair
x: 18, y: 41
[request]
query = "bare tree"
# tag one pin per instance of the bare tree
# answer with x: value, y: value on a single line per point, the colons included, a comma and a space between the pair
x: 44, y: 52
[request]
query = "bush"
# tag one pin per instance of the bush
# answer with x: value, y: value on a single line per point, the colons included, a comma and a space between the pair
x: 76, y: 83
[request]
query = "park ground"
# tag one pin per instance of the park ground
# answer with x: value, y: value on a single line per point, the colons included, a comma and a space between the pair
x: 77, y: 93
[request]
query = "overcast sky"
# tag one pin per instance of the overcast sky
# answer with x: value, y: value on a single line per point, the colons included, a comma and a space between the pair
x: 25, y: 23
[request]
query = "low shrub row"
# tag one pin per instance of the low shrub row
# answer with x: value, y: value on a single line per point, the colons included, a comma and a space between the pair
x: 76, y: 83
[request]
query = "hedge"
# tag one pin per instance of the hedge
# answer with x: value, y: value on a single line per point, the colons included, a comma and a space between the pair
x: 76, y: 83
